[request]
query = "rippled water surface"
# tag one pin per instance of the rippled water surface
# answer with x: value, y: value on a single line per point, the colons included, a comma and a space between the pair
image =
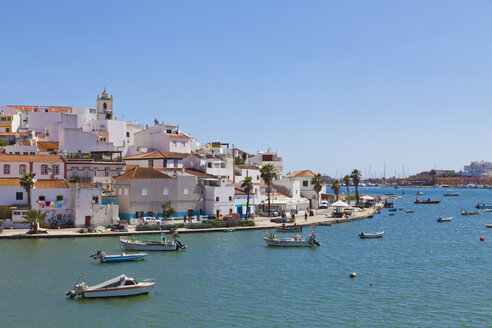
x: 422, y: 273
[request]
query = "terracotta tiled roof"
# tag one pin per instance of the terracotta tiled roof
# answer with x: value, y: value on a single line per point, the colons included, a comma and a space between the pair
x: 181, y: 136
x: 9, y: 182
x: 30, y: 158
x: 302, y: 174
x: 47, y: 146
x: 51, y: 109
x: 200, y: 174
x: 158, y: 155
x: 51, y: 184
x: 143, y: 173
x: 239, y: 192
x: 25, y: 143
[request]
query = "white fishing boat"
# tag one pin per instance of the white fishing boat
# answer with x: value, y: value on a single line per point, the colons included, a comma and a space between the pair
x: 116, y: 287
x: 488, y: 225
x: 465, y: 212
x: 296, y: 241
x: 420, y: 192
x: 480, y: 205
x: 364, y: 235
x: 140, y: 245
x: 444, y: 219
x: 451, y: 193
x: 488, y: 210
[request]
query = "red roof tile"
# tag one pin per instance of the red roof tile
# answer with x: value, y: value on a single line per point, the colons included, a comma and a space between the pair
x: 30, y: 158
x: 158, y: 155
x: 143, y: 173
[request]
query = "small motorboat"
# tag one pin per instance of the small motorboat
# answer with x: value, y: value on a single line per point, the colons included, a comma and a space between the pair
x: 122, y: 257
x: 389, y: 204
x: 444, y: 219
x: 451, y: 193
x: 420, y: 192
x: 409, y: 211
x: 364, y: 235
x: 428, y: 201
x: 392, y: 214
x: 482, y: 206
x: 464, y: 212
x: 163, y: 245
x: 289, y: 229
x: 401, y: 209
x: 392, y: 209
x: 296, y: 241
x: 488, y: 210
x: 488, y: 225
x: 116, y: 287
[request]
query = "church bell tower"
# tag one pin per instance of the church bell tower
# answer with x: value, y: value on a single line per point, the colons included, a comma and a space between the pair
x: 104, y: 106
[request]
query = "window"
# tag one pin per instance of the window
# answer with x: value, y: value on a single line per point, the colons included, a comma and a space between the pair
x: 95, y: 172
x: 128, y: 134
x: 92, y: 111
x: 119, y: 191
x: 105, y: 106
x: 174, y: 142
x: 32, y: 153
x: 118, y: 172
x: 42, y: 198
x: 176, y: 162
x: 151, y: 163
x: 257, y: 177
x: 106, y: 172
x: 19, y: 196
x: 165, y: 191
x: 183, y: 144
x: 165, y: 163
x: 59, y: 198
x: 56, y: 169
x: 22, y: 169
x: 126, y: 191
x: 191, y: 164
x: 74, y: 172
x: 6, y: 169
x: 44, y: 169
x: 144, y: 191
x: 186, y: 191
x: 209, y: 165
x: 17, y: 152
x: 25, y: 153
x: 216, y: 199
x: 305, y: 183
x: 86, y: 173
x: 95, y: 199
x: 230, y: 198
x: 7, y: 130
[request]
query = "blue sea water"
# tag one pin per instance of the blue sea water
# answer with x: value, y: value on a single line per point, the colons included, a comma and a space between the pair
x: 420, y: 274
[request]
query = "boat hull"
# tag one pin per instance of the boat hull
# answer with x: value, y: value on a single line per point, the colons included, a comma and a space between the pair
x: 123, y: 258
x: 289, y: 229
x: 371, y: 235
x: 444, y: 220
x: 289, y: 242
x: 146, y: 246
x: 427, y: 202
x: 119, y: 292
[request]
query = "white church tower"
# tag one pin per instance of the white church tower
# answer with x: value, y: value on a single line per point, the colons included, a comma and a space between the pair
x: 104, y: 106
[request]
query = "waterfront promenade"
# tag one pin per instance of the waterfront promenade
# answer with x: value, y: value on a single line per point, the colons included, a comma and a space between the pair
x: 322, y: 217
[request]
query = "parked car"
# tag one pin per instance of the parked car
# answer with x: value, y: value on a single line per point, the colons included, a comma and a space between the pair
x: 232, y: 216
x: 149, y: 220
x: 323, y: 204
x: 274, y: 213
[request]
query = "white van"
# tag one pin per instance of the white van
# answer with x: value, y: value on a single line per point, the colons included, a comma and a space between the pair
x: 323, y: 204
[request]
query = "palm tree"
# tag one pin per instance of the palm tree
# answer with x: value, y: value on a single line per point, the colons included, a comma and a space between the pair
x: 27, y: 182
x: 335, y: 185
x: 34, y: 218
x: 356, y: 176
x: 317, y: 181
x: 247, y: 185
x: 268, y: 173
x: 346, y: 182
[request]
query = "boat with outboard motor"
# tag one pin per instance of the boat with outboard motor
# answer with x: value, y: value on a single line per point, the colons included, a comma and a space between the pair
x: 444, y: 219
x: 296, y: 241
x: 145, y: 245
x: 116, y: 287
x: 364, y: 235
x: 121, y: 257
x: 481, y: 206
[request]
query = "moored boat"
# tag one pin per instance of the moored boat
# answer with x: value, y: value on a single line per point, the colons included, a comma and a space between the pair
x: 464, y: 212
x: 122, y: 257
x: 296, y: 241
x: 392, y: 209
x: 488, y: 210
x: 163, y: 245
x: 480, y: 205
x: 451, y: 193
x: 420, y: 192
x: 364, y: 235
x: 289, y: 229
x: 409, y: 211
x: 116, y: 287
x: 444, y: 219
x: 428, y: 201
x: 488, y: 225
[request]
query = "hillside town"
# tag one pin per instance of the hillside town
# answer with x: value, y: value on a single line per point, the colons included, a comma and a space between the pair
x: 89, y: 167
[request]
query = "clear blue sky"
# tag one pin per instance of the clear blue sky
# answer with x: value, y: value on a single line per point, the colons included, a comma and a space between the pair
x: 331, y: 85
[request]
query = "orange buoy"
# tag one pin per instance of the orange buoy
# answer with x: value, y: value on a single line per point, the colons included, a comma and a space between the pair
x: 482, y: 239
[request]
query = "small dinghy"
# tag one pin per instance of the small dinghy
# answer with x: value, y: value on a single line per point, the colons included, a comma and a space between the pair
x: 289, y: 229
x: 116, y: 287
x: 296, y: 241
x: 122, y: 257
x: 364, y: 235
x: 480, y: 205
x: 392, y: 209
x: 392, y: 214
x: 464, y: 212
x: 488, y: 210
x: 488, y: 225
x: 409, y: 211
x: 444, y: 219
